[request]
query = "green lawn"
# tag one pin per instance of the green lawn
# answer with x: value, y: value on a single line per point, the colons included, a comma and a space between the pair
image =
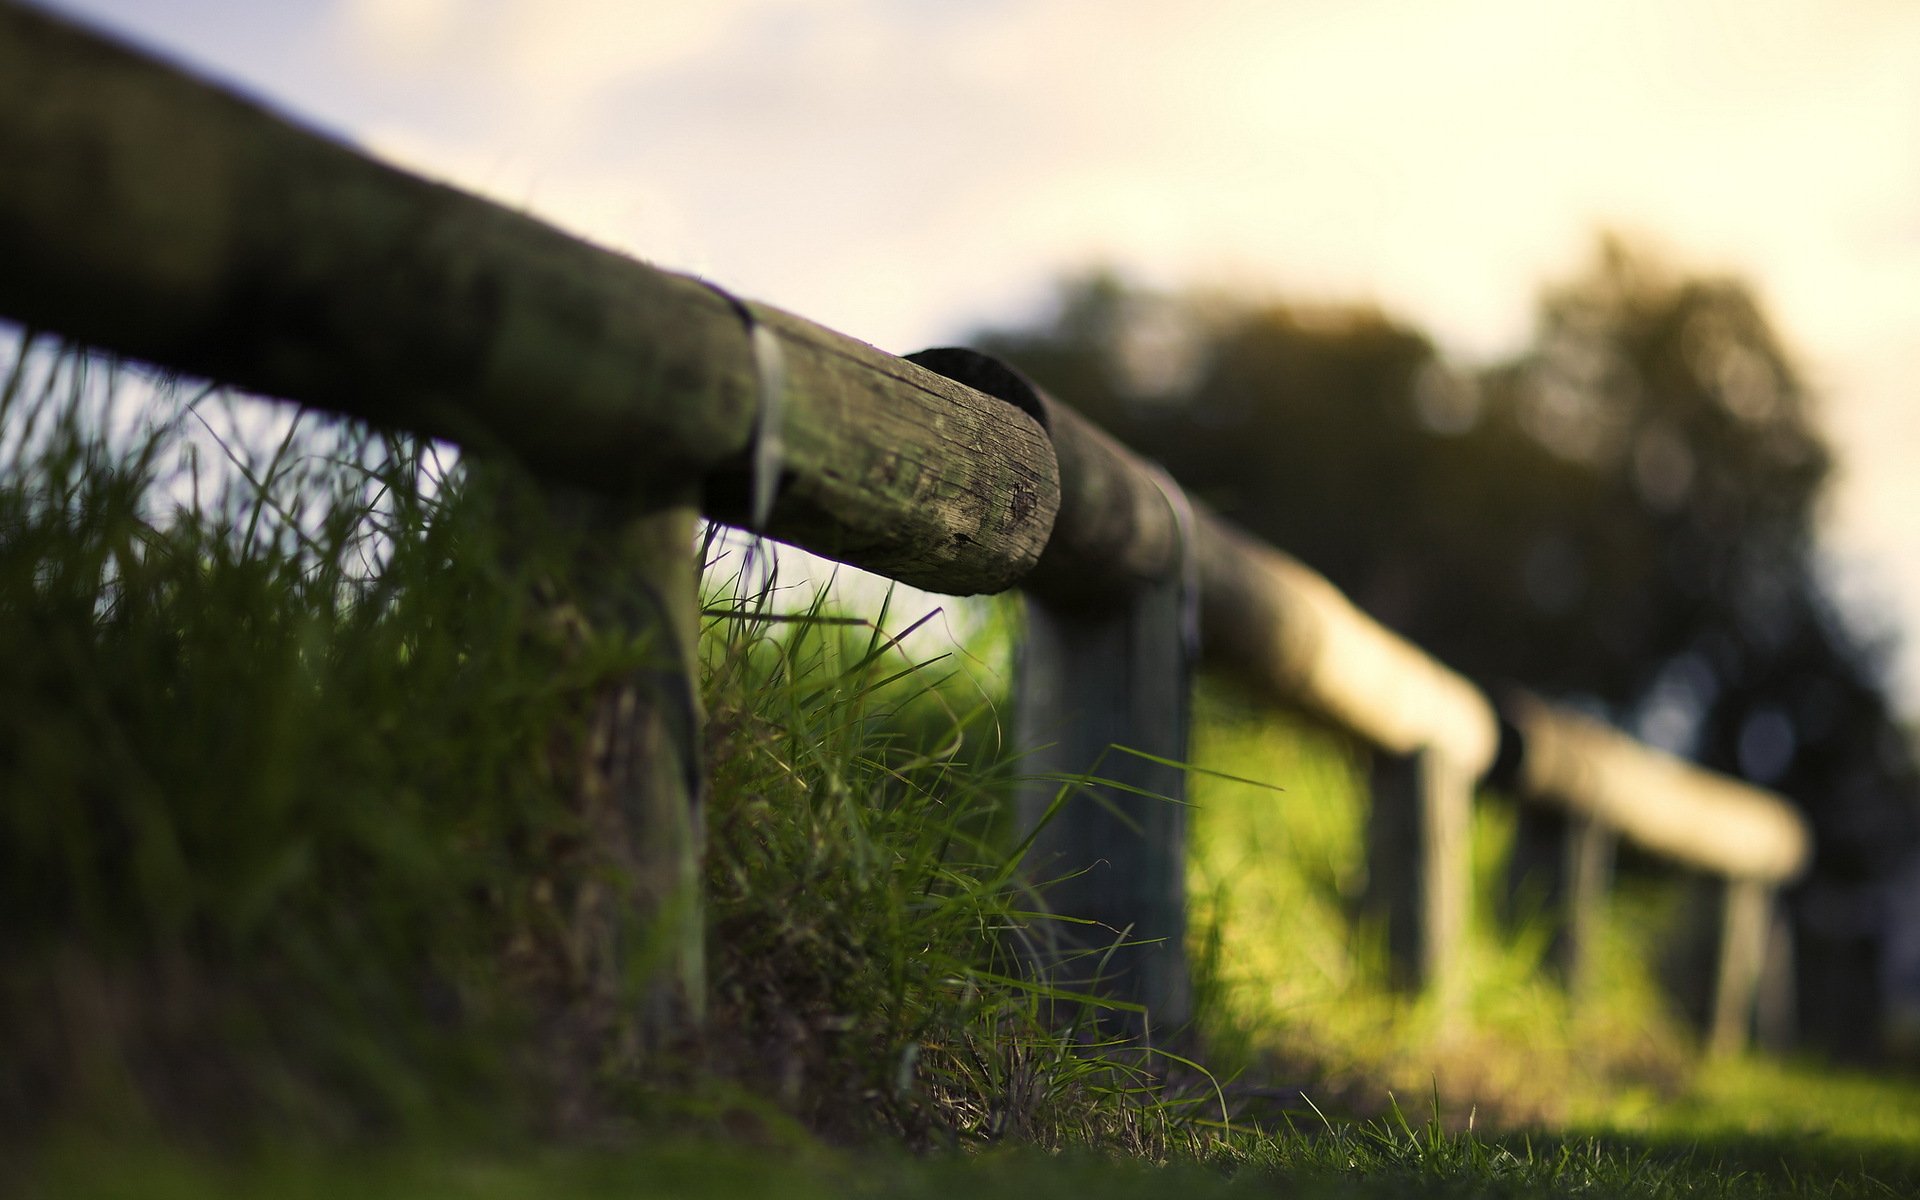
x: 1376, y: 1159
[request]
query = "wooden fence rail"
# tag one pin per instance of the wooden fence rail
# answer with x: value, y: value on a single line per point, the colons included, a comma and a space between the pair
x: 160, y: 217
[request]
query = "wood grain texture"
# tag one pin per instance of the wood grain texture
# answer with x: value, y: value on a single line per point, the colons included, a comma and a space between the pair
x: 1659, y: 802
x: 899, y: 471
x: 1116, y: 529
x: 165, y: 219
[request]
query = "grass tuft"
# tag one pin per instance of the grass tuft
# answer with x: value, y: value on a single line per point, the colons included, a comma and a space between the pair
x: 866, y: 903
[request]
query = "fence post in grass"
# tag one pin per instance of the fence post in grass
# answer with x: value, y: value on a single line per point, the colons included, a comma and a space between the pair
x: 621, y: 600
x: 1776, y: 1015
x: 1419, y: 868
x: 1111, y: 853
x: 1113, y: 620
x: 1564, y: 862
x: 1746, y: 922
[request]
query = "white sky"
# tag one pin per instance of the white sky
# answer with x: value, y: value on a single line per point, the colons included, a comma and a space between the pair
x: 903, y: 170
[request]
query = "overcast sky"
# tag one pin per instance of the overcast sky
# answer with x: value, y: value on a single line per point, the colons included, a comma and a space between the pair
x: 903, y: 170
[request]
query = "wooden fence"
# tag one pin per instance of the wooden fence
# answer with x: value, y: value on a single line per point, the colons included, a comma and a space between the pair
x: 160, y: 217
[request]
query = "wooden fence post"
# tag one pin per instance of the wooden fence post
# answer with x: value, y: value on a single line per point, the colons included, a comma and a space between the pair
x: 1745, y: 929
x: 1565, y: 862
x: 1112, y: 853
x: 1776, y: 1016
x: 1419, y: 868
x: 628, y: 575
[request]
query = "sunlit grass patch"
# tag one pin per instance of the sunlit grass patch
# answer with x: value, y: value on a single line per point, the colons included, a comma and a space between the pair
x: 1299, y: 994
x: 1299, y: 977
x: 1760, y: 1097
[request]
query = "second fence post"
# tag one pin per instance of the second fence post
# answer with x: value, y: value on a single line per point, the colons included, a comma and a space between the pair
x: 1113, y: 852
x: 1419, y: 868
x: 1564, y: 863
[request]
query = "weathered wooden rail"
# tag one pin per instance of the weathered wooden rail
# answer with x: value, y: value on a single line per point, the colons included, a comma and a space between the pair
x: 157, y: 216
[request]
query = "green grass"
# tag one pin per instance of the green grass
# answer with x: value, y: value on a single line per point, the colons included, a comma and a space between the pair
x: 290, y: 864
x: 1397, y: 1156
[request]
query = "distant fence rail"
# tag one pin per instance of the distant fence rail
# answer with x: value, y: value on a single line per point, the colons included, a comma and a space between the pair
x: 154, y: 215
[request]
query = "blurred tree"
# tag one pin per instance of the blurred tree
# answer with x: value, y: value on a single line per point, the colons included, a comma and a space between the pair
x: 1622, y: 516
